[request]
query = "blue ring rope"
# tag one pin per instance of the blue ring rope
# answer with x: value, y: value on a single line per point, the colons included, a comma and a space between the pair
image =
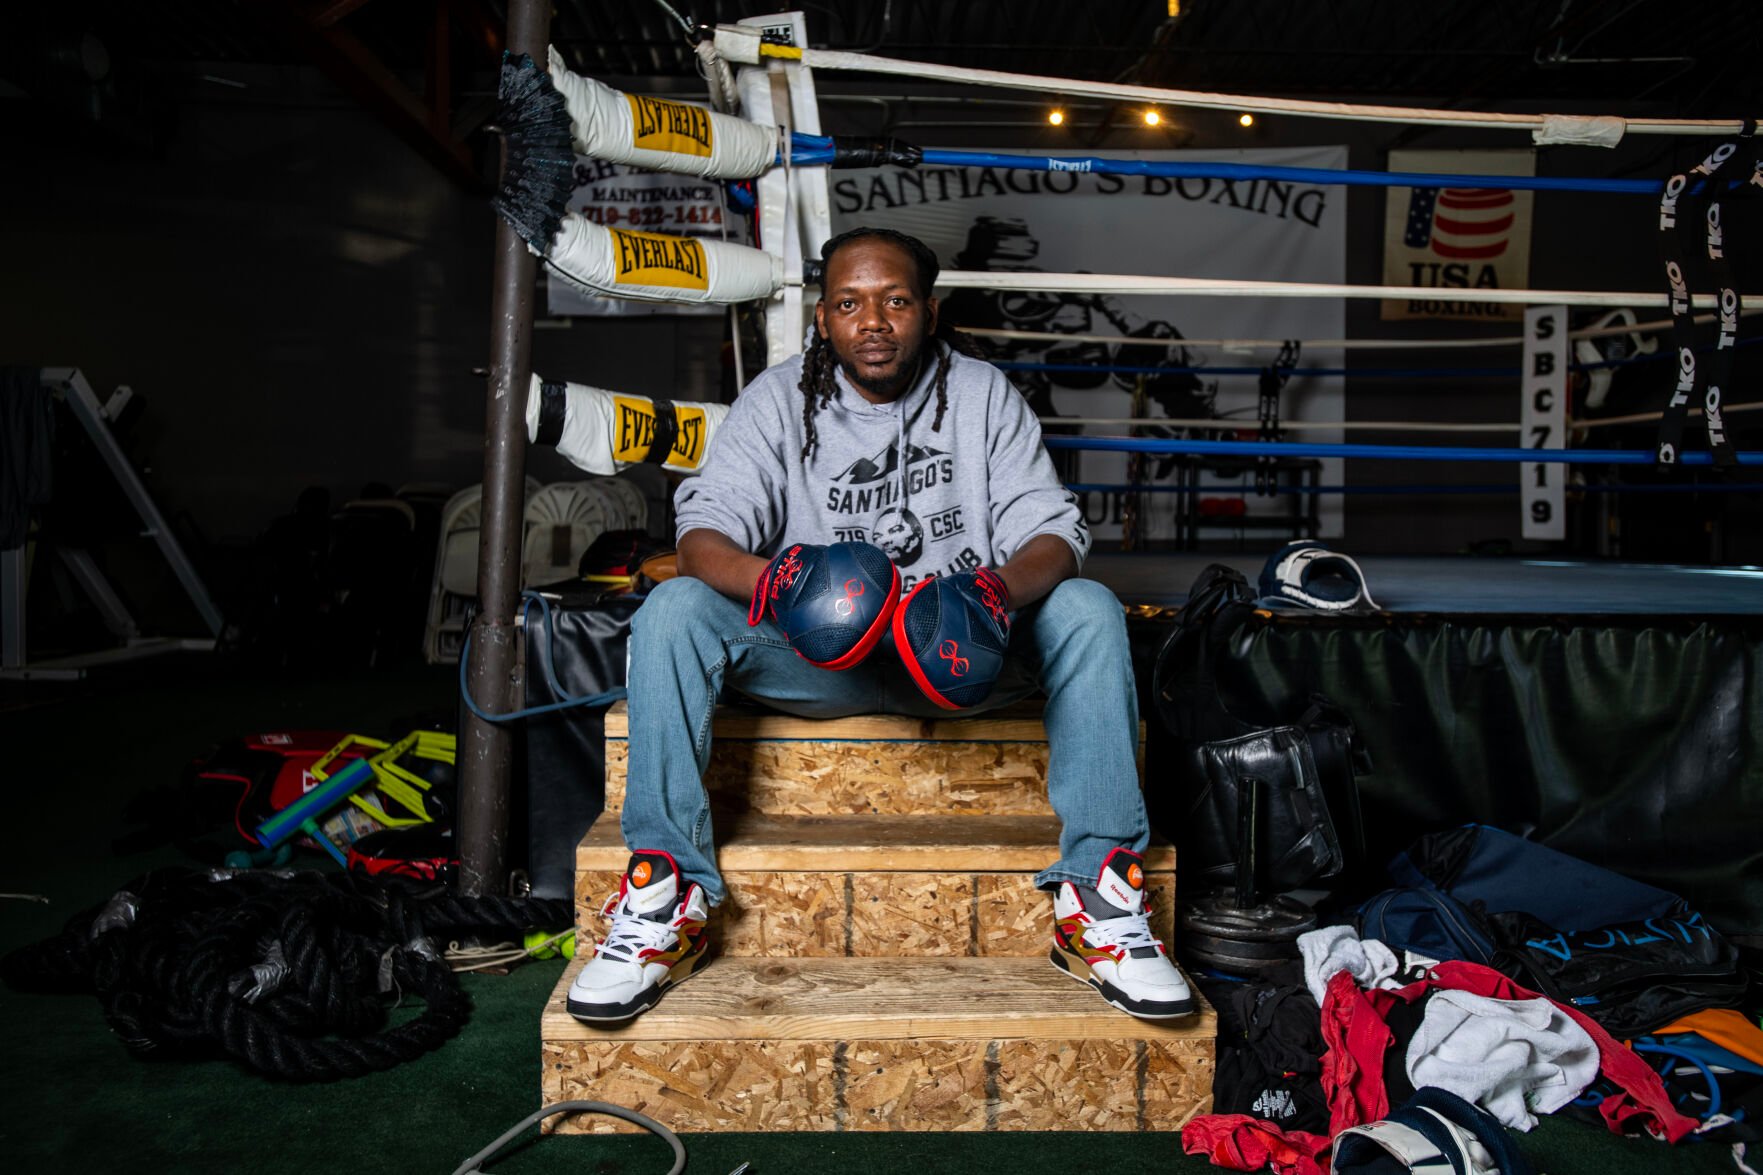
x: 1379, y: 452
x: 808, y: 150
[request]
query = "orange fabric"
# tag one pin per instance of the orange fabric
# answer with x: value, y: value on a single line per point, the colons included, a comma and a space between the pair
x: 1726, y: 1027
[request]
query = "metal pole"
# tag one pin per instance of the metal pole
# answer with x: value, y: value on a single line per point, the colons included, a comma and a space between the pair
x: 486, y: 749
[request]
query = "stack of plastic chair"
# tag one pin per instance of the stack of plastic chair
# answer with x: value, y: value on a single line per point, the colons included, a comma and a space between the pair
x: 454, y: 587
x: 561, y: 523
x: 630, y: 507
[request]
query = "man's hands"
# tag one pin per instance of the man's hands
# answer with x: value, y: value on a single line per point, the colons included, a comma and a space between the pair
x: 833, y: 603
x: 984, y: 597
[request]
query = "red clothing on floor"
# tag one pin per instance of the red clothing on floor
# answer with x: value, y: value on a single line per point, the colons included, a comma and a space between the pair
x: 1352, y: 1070
x: 1242, y: 1143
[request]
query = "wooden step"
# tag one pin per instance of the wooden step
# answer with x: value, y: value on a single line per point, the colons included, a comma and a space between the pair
x: 874, y: 885
x: 994, y: 763
x: 883, y: 1044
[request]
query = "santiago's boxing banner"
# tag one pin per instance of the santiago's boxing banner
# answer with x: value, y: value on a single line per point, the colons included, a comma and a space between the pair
x: 621, y: 197
x: 1062, y: 222
x: 1450, y: 242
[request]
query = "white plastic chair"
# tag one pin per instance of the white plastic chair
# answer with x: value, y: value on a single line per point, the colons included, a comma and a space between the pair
x: 455, y: 580
x: 562, y: 522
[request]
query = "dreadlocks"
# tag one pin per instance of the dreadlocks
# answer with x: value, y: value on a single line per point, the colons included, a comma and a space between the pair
x: 818, y: 383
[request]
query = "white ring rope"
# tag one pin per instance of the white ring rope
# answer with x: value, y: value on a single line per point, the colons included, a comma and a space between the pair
x: 744, y: 45
x: 1248, y: 424
x: 1647, y: 417
x: 1114, y: 283
x: 1590, y: 332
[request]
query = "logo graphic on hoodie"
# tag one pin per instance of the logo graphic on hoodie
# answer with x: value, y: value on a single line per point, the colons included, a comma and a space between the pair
x: 870, y: 484
x: 900, y: 535
x: 867, y: 470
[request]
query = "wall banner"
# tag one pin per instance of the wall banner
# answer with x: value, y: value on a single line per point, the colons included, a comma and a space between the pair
x: 1450, y: 242
x: 1064, y: 222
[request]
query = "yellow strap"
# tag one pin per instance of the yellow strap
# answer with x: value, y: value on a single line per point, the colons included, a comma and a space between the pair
x: 321, y: 769
x: 396, y: 773
x: 380, y: 816
x: 396, y: 749
x: 786, y: 52
x: 408, y: 798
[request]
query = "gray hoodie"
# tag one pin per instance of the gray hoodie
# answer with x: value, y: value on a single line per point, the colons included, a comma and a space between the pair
x: 968, y: 495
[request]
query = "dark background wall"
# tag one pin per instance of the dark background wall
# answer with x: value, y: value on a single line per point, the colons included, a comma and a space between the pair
x: 299, y: 298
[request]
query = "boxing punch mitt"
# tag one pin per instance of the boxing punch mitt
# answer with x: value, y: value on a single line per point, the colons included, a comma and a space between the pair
x: 952, y: 631
x: 833, y: 603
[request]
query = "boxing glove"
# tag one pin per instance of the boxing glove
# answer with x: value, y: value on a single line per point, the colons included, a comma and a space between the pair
x: 832, y: 602
x: 952, y: 632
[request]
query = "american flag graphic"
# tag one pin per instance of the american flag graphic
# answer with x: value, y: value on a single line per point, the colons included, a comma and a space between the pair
x: 1460, y: 224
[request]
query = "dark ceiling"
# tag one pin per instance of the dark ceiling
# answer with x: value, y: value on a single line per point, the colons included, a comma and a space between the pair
x: 1700, y: 58
x: 427, y: 66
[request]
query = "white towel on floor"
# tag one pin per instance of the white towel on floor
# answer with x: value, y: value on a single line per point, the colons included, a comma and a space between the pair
x: 1339, y: 948
x: 1510, y: 1057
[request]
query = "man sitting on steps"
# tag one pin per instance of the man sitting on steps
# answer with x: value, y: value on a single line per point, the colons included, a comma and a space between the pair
x: 887, y: 433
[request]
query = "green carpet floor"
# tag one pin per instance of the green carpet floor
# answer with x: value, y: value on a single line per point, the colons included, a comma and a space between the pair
x: 71, y: 1099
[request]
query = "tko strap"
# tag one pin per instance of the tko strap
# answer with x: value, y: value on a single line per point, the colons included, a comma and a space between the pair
x: 1680, y: 202
x: 1272, y: 383
x: 1727, y: 305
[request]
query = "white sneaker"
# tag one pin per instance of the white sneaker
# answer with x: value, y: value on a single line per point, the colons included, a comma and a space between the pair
x: 656, y: 940
x: 1101, y: 936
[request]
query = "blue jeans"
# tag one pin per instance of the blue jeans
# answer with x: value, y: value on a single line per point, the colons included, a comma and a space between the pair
x: 689, y: 642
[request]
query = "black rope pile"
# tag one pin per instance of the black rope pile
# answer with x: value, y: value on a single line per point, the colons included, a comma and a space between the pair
x: 294, y: 975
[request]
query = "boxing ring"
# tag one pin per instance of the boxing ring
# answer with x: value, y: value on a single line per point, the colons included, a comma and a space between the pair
x: 1609, y: 706
x: 1446, y: 585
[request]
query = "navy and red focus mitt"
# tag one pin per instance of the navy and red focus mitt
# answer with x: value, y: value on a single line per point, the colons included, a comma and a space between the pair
x: 952, y: 632
x: 833, y: 603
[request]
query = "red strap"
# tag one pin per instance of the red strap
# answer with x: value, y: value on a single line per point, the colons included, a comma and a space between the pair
x: 995, y: 595
x: 756, y: 608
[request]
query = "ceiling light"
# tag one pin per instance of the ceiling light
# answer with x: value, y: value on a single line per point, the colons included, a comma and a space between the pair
x: 1152, y: 118
x: 1246, y: 119
x: 1056, y: 117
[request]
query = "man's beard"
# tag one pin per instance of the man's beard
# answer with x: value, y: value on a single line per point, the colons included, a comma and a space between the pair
x: 905, y: 374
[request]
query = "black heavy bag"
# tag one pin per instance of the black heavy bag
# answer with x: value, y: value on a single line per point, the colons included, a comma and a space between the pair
x: 1309, y: 815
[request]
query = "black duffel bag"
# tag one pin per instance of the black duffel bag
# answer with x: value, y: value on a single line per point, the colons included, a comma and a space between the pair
x: 1309, y: 818
x: 582, y: 638
x: 1632, y: 977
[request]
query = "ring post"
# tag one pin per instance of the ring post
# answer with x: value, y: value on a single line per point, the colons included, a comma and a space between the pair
x: 486, y: 750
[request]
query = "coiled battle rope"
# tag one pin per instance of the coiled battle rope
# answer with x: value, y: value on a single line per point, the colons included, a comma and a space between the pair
x: 293, y: 975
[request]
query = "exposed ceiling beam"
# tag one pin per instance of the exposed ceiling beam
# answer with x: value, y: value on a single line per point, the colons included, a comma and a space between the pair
x: 354, y: 67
